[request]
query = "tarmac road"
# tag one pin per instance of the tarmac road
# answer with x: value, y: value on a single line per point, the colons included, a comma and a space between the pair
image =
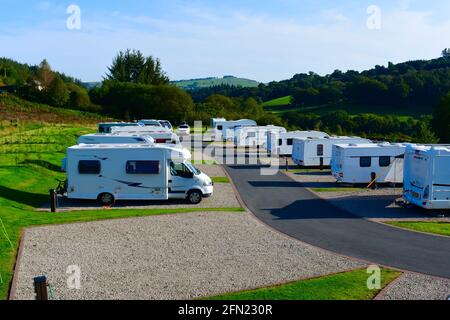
x: 290, y: 208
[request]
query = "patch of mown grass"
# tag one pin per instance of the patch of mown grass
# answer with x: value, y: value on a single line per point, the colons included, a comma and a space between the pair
x: 440, y: 228
x: 26, y: 177
x: 220, y: 180
x: 343, y: 286
x: 343, y: 189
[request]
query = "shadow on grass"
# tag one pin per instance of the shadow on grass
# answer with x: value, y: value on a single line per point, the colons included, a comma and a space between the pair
x: 26, y: 198
x: 43, y: 164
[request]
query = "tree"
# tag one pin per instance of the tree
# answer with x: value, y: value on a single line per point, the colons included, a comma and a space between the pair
x: 45, y: 74
x: 425, y: 135
x: 57, y: 94
x: 446, y: 53
x: 132, y: 66
x: 78, y: 97
x: 441, y: 120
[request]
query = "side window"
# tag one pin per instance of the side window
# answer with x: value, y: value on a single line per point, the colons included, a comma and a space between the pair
x: 385, y: 162
x: 365, y: 162
x: 219, y: 127
x: 320, y: 150
x: 142, y: 167
x: 179, y: 170
x: 280, y: 142
x: 89, y: 167
x: 290, y: 142
x: 101, y: 129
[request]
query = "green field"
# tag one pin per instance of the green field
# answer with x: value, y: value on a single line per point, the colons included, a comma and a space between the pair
x: 283, y: 101
x: 210, y: 82
x: 220, y: 180
x: 440, y: 228
x: 343, y: 286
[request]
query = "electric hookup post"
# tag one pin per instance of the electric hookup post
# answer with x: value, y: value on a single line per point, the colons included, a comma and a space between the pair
x: 52, y: 193
x: 40, y: 287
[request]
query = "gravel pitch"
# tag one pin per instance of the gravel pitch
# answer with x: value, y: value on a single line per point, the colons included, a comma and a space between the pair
x: 224, y: 197
x: 417, y: 287
x: 168, y: 257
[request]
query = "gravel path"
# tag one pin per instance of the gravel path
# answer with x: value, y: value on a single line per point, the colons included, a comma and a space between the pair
x: 417, y: 287
x: 211, y: 170
x: 224, y: 197
x: 168, y: 257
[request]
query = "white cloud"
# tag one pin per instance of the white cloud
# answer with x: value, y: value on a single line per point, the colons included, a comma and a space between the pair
x: 209, y: 43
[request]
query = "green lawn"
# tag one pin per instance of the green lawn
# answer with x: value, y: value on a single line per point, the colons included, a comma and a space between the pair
x: 441, y: 228
x: 220, y: 180
x: 283, y: 101
x: 30, y: 158
x: 343, y: 286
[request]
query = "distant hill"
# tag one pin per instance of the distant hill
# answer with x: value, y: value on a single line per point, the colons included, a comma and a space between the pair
x: 195, y: 84
x: 91, y: 85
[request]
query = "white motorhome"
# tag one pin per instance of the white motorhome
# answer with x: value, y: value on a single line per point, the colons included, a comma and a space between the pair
x: 101, y: 138
x: 105, y: 127
x: 159, y: 134
x: 255, y: 136
x: 214, y: 121
x: 365, y: 163
x: 111, y: 172
x: 281, y: 144
x: 313, y: 152
x: 223, y: 130
x: 150, y: 123
x: 427, y: 176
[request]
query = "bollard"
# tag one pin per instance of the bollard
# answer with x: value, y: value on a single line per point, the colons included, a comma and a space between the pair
x: 40, y: 287
x: 52, y: 193
x: 321, y: 164
x: 287, y: 165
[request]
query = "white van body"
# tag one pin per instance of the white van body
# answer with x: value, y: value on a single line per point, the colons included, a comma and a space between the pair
x: 427, y: 176
x: 105, y: 127
x: 214, y: 121
x: 358, y: 163
x: 313, y: 152
x: 159, y: 134
x: 101, y: 138
x: 133, y: 172
x: 224, y: 130
x: 255, y: 136
x: 281, y: 144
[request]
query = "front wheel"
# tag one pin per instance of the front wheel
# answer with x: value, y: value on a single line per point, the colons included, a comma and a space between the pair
x: 194, y: 197
x: 106, y: 199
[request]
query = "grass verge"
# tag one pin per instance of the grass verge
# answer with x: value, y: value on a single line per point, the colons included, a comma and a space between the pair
x: 337, y: 189
x: 220, y: 180
x: 343, y: 286
x: 440, y: 228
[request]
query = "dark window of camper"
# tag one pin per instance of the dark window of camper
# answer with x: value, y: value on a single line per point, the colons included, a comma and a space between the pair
x: 280, y: 142
x: 365, y: 162
x: 290, y: 142
x: 143, y: 167
x: 89, y: 167
x: 219, y: 127
x: 320, y: 150
x: 385, y: 161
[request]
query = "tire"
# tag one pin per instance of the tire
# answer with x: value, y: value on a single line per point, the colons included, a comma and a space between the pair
x: 106, y: 199
x: 194, y: 197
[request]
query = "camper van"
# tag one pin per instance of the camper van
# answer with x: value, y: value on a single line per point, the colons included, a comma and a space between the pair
x: 111, y: 172
x: 255, y: 136
x: 427, y: 176
x: 223, y: 130
x: 281, y: 144
x: 313, y: 152
x: 159, y: 134
x: 366, y: 163
x: 101, y: 138
x: 150, y: 123
x: 105, y: 127
x: 214, y: 121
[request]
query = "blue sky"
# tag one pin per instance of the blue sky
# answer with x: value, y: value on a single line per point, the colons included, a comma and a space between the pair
x: 263, y: 40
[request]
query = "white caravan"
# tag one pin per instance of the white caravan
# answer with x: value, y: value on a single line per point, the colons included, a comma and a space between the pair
x: 365, y: 163
x: 214, y: 121
x: 427, y: 176
x: 102, y: 138
x: 159, y: 134
x: 110, y: 172
x: 105, y: 127
x: 150, y: 123
x: 281, y: 144
x: 255, y: 136
x: 313, y: 152
x: 223, y: 130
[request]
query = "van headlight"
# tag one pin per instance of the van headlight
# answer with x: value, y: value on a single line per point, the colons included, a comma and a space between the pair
x: 207, y: 184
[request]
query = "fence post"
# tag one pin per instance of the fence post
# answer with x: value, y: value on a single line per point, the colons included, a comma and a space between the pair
x: 40, y: 287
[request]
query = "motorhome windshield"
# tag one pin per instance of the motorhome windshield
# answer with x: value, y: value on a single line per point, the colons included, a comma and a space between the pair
x: 419, y: 170
x: 192, y: 168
